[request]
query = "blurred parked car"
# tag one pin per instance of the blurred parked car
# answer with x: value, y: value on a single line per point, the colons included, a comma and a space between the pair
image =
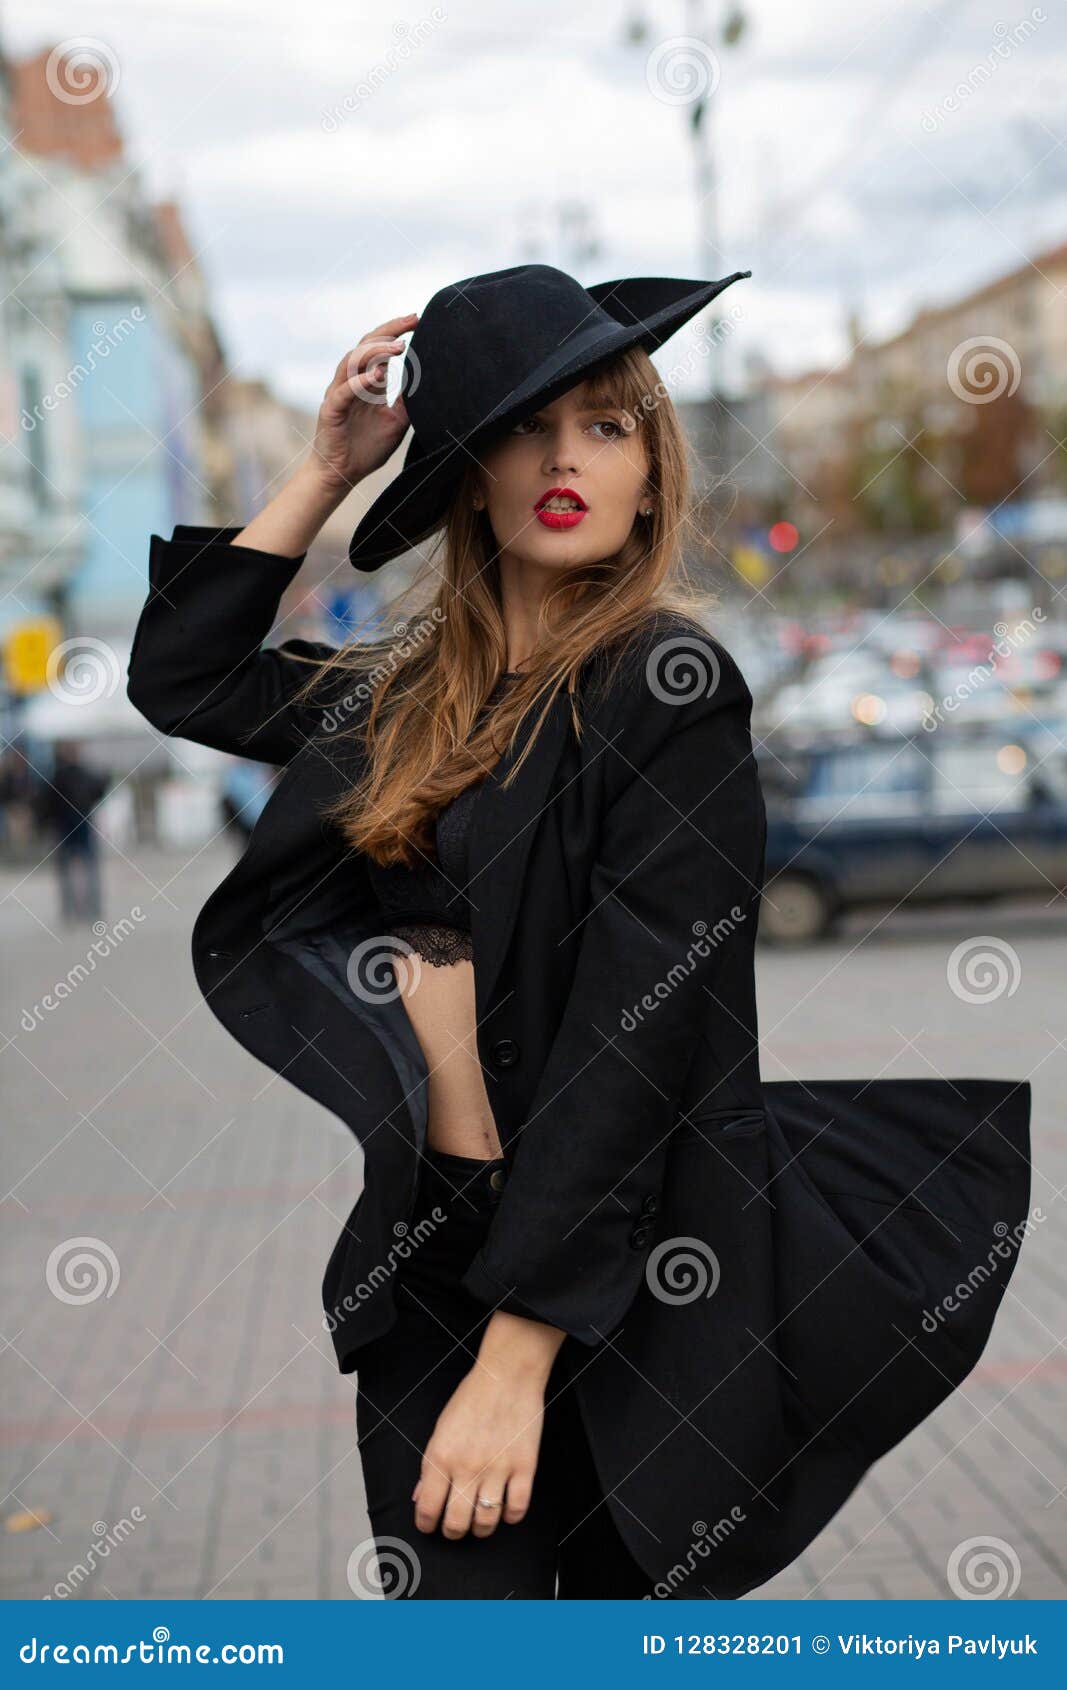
x: 926, y: 818
x: 840, y: 691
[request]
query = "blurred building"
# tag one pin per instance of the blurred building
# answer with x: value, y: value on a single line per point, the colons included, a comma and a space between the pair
x: 40, y: 544
x: 109, y: 352
x: 878, y: 458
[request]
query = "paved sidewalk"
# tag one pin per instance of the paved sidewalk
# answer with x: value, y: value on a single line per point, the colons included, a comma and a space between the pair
x: 191, y: 1424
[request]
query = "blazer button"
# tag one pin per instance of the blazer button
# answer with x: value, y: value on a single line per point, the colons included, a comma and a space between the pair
x: 639, y: 1237
x: 504, y: 1054
x: 649, y: 1206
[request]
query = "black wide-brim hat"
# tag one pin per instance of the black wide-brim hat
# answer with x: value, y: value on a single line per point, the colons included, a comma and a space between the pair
x: 490, y: 350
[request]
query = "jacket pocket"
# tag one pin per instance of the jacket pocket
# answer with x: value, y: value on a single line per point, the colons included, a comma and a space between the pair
x: 711, y: 1126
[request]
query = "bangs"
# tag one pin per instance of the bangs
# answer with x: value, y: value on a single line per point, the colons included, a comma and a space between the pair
x: 621, y: 384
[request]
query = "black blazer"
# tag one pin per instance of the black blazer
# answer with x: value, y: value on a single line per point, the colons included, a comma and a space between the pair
x: 752, y: 1276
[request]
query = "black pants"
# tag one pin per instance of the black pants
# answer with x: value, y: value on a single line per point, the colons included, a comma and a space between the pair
x: 404, y: 1380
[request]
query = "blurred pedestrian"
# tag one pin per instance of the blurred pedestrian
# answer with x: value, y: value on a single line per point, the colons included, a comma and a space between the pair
x: 17, y: 791
x: 63, y: 807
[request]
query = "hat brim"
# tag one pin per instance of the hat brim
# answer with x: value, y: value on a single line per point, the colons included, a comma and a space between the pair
x: 648, y: 310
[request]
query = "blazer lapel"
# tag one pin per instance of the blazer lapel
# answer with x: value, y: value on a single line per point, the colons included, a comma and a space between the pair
x: 503, y: 825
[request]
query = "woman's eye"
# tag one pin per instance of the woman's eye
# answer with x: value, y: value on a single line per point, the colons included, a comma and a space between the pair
x: 527, y: 422
x: 609, y: 422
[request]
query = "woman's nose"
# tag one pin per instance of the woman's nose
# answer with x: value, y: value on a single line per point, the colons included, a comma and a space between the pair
x: 562, y: 457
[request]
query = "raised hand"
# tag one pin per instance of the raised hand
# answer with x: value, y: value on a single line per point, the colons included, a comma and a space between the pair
x: 356, y: 430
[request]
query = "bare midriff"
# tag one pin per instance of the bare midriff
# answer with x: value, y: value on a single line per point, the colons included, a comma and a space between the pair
x: 440, y: 1003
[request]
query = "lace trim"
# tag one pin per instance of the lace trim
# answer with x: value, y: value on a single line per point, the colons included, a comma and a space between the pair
x: 435, y: 943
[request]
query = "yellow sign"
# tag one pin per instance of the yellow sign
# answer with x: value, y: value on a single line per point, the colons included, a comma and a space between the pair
x: 26, y: 652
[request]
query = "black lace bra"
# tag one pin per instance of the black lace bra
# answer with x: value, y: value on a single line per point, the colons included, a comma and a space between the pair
x: 427, y: 907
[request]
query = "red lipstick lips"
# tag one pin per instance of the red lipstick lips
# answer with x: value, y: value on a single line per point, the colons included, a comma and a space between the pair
x: 563, y: 515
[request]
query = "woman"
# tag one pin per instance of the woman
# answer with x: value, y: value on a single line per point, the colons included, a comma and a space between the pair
x: 499, y: 916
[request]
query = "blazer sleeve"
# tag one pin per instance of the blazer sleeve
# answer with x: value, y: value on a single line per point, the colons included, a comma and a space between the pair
x: 197, y: 670
x: 679, y: 864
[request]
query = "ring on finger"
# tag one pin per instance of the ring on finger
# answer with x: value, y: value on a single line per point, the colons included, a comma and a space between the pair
x: 487, y: 1502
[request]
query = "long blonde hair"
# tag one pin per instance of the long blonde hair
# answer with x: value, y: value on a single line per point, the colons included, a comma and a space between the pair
x: 423, y: 741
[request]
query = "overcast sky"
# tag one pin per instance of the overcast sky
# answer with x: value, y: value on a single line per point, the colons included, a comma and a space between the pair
x: 320, y: 206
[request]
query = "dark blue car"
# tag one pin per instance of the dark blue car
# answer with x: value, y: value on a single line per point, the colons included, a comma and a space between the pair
x: 957, y: 813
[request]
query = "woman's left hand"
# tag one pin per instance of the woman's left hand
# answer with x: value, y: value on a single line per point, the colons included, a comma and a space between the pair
x: 486, y: 1439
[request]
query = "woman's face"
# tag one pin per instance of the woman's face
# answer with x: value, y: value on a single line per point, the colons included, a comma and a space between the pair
x: 570, y: 444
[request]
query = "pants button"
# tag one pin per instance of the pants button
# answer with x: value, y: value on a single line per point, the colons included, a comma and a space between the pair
x: 497, y: 1179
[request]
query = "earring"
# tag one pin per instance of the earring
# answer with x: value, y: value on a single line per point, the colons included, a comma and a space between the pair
x: 648, y: 512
